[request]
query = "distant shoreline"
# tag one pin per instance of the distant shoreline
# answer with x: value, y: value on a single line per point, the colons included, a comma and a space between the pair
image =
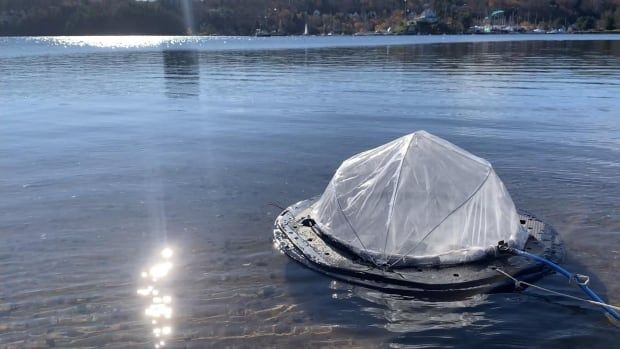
x: 371, y: 34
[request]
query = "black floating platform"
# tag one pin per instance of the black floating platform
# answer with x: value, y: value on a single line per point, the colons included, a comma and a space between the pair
x: 305, y: 245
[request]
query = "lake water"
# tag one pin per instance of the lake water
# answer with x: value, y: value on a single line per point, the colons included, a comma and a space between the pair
x: 114, y: 148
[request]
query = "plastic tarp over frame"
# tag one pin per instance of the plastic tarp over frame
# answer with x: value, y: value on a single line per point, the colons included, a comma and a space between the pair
x: 418, y: 200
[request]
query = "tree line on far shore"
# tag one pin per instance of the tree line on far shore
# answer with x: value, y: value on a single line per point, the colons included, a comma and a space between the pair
x: 289, y: 17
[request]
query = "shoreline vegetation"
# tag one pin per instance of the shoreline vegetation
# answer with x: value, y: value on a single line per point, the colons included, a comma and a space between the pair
x: 305, y: 17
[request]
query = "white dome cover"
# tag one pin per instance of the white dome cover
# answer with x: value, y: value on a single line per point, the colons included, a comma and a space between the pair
x: 418, y: 200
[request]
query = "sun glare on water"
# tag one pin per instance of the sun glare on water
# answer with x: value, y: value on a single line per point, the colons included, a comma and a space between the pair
x: 122, y: 41
x: 159, y: 301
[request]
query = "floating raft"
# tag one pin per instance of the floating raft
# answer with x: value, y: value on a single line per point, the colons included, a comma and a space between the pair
x: 296, y: 235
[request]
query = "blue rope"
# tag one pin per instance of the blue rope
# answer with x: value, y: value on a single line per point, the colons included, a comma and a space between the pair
x: 570, y: 276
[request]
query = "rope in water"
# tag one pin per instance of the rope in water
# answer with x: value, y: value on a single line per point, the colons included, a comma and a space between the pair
x: 519, y: 282
x: 581, y: 280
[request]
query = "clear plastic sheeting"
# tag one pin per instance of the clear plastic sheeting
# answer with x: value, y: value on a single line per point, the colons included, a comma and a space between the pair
x: 418, y: 200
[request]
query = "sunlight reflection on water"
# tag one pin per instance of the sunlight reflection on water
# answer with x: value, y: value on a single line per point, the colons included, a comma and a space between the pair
x: 157, y: 293
x: 124, y: 41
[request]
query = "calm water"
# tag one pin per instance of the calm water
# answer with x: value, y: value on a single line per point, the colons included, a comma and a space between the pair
x: 112, y: 149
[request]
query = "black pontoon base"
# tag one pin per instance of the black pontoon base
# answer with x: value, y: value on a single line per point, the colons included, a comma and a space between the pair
x: 304, y: 244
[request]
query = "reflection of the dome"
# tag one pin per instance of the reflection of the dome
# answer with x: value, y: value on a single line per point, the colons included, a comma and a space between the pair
x: 154, y: 290
x: 181, y: 73
x: 406, y: 314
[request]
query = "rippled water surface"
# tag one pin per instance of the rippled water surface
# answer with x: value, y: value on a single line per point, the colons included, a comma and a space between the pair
x: 112, y: 149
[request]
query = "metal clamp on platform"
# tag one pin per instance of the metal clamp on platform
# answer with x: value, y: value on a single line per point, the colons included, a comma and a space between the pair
x: 580, y: 279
